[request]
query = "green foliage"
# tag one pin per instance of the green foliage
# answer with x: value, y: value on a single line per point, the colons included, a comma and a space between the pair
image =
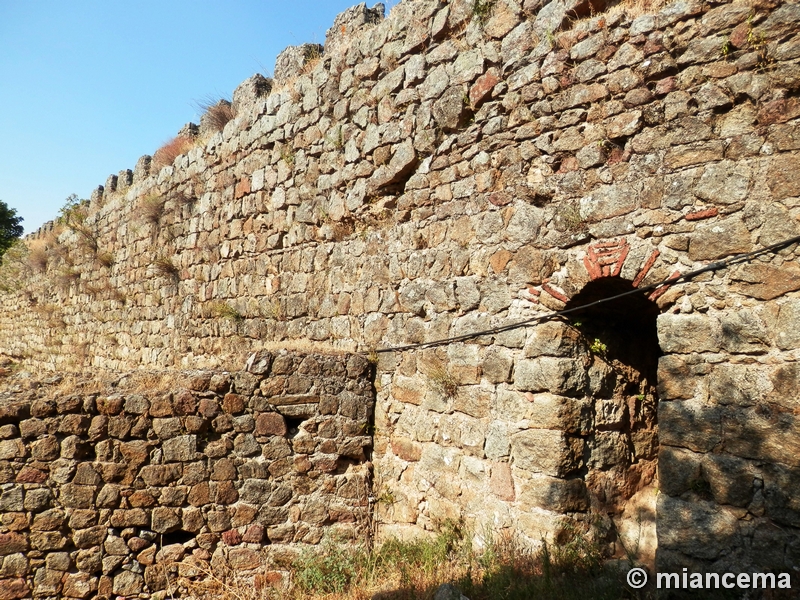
x: 73, y: 215
x: 482, y: 9
x: 10, y: 228
x: 225, y: 311
x: 598, y: 347
x: 329, y: 570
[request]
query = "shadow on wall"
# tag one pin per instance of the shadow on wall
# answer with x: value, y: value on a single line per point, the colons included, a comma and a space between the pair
x: 729, y: 461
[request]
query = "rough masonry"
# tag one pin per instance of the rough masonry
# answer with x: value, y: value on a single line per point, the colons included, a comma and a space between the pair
x: 107, y: 489
x: 447, y: 170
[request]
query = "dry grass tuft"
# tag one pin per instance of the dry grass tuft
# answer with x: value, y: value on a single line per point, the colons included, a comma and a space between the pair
x: 38, y: 256
x: 106, y: 259
x: 441, y: 379
x: 152, y: 208
x: 222, y: 310
x: 637, y: 8
x: 166, y: 268
x: 216, y: 113
x: 166, y: 155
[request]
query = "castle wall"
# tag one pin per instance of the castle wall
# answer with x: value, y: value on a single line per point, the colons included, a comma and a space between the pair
x: 445, y: 171
x: 106, y: 487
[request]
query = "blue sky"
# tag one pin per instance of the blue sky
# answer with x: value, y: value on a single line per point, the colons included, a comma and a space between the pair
x: 87, y: 87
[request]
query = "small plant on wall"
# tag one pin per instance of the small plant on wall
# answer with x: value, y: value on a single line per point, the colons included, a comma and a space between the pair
x: 216, y: 113
x: 165, y: 267
x: 73, y: 215
x: 166, y: 155
x: 441, y: 379
x: 223, y: 310
x: 152, y: 209
x: 106, y: 259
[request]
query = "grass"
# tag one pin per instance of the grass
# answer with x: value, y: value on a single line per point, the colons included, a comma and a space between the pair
x: 166, y: 155
x: 106, y: 259
x: 482, y: 9
x: 152, y: 208
x: 405, y: 570
x: 38, y: 257
x: 73, y: 214
x: 223, y: 310
x: 217, y: 112
x: 441, y: 379
x: 312, y: 54
x: 166, y: 268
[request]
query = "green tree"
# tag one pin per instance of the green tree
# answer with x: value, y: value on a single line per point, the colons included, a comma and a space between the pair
x: 10, y: 228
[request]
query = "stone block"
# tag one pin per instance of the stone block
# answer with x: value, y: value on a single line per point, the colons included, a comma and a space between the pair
x: 134, y: 517
x: 552, y: 493
x: 13, y: 543
x: 719, y: 239
x: 501, y: 482
x: 160, y: 475
x: 270, y: 424
x: 761, y: 433
x: 783, y: 177
x: 764, y: 281
x: 698, y: 529
x: 683, y: 334
x: 181, y: 448
x: 128, y: 583
x: 89, y: 537
x: 690, y: 424
x: 564, y: 376
x: 679, y: 470
x: 77, y: 496
x: 547, y: 451
x: 548, y: 411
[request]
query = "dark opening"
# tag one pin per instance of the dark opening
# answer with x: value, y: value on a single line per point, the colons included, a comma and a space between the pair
x: 293, y: 425
x: 627, y: 326
x: 176, y: 537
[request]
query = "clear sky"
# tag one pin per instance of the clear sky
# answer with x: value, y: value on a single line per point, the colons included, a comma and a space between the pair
x: 88, y: 86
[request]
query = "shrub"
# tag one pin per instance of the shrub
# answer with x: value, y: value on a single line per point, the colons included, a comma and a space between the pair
x: 166, y: 155
x: 73, y: 214
x: 38, y: 257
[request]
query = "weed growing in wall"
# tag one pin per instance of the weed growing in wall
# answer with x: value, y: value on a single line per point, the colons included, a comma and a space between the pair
x: 217, y: 112
x: 152, y: 208
x: 166, y: 155
x: 38, y: 257
x: 73, y: 214
x: 441, y: 379
x: 223, y: 310
x: 106, y: 259
x: 166, y: 268
x: 482, y: 10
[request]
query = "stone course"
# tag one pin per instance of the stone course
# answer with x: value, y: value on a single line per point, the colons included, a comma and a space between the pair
x: 106, y: 490
x: 436, y: 173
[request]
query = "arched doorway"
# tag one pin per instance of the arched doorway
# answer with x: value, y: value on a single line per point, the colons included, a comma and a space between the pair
x: 623, y: 446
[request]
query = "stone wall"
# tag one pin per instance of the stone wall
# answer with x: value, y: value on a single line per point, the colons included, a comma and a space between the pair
x: 448, y: 170
x: 106, y: 487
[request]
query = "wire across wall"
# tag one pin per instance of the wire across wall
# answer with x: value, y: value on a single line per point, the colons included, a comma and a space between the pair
x: 670, y: 281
